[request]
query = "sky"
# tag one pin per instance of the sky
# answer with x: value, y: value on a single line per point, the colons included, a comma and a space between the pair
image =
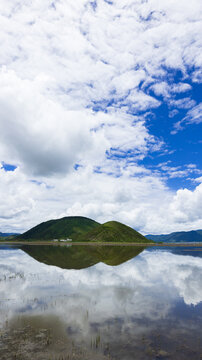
x: 100, y: 113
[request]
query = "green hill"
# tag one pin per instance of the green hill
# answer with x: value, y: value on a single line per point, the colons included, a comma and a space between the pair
x: 180, y: 236
x: 81, y: 257
x: 67, y: 227
x: 113, y: 231
x: 82, y: 229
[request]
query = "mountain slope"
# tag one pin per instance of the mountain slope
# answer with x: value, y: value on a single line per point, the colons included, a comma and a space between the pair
x: 80, y: 228
x: 67, y: 227
x: 113, y: 231
x: 180, y: 236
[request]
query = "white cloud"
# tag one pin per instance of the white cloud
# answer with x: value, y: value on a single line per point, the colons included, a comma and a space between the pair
x: 193, y: 117
x: 61, y: 63
x: 178, y: 171
x: 132, y: 195
x: 199, y: 179
x: 185, y: 103
x: 181, y: 87
x: 187, y: 205
x: 197, y: 76
x: 167, y: 90
x: 39, y: 133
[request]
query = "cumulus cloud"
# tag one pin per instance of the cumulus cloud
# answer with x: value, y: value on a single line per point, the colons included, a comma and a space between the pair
x: 77, y: 85
x: 38, y: 132
x: 187, y: 205
x: 125, y: 194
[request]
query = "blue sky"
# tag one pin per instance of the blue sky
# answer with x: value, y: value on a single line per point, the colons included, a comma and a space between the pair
x: 100, y: 113
x: 184, y: 146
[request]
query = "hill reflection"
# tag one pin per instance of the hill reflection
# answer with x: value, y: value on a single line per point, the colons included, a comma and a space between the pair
x: 82, y: 257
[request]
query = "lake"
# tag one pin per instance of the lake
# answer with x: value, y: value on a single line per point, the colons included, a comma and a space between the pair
x: 100, y: 303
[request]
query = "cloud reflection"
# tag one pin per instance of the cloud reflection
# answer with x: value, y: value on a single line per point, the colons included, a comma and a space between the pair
x: 126, y: 300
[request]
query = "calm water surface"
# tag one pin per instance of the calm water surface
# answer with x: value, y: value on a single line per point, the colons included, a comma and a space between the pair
x: 94, y: 302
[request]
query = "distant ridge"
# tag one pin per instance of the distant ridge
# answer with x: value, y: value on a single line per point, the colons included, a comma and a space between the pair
x: 82, y: 229
x: 7, y: 234
x: 180, y: 236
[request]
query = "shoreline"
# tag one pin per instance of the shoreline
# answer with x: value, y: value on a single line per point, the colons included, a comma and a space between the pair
x: 50, y: 243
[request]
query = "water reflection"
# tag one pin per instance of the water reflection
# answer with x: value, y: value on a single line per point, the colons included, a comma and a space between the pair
x: 81, y: 257
x: 148, y: 307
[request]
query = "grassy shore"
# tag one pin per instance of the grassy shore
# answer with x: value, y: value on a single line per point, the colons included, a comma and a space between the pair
x: 100, y: 243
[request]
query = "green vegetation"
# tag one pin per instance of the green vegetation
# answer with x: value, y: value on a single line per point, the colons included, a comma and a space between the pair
x: 67, y: 227
x: 81, y: 257
x: 7, y: 238
x: 81, y: 229
x: 114, y: 231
